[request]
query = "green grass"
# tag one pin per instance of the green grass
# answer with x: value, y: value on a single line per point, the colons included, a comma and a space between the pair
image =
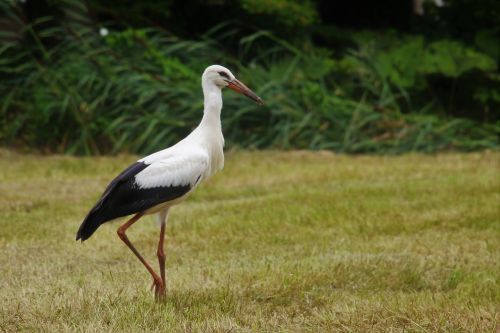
x: 277, y: 242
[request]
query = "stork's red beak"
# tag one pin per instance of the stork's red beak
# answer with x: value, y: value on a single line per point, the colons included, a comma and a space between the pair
x: 242, y: 89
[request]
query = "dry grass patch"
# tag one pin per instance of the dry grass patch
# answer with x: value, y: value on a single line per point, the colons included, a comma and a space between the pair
x: 288, y: 242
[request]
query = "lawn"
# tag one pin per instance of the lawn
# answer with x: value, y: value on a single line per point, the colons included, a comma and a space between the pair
x: 277, y: 242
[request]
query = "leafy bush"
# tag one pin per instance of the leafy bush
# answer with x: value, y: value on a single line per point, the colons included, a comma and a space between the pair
x: 65, y: 88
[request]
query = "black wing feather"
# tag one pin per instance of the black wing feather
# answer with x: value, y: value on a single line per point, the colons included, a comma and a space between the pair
x: 122, y: 197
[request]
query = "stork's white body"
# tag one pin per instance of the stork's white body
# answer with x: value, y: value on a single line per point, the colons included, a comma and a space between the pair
x: 192, y: 160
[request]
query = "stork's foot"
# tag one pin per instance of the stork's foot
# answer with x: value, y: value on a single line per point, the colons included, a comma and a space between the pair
x: 160, y: 290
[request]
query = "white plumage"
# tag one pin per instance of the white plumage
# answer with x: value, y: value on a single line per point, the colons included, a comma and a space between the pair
x: 175, y: 170
x: 200, y: 153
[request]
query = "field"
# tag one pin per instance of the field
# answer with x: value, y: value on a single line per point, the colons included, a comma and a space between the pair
x: 277, y: 242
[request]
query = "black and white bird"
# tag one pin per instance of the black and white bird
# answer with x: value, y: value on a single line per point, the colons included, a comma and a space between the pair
x: 156, y: 182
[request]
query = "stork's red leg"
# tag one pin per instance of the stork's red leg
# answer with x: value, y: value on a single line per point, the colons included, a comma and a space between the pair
x: 161, y: 257
x: 121, y: 233
x: 162, y: 218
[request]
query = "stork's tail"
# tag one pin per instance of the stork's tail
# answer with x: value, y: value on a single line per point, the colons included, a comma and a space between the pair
x: 89, y: 225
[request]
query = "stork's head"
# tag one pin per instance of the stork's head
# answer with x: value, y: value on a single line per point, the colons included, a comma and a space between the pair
x: 222, y: 77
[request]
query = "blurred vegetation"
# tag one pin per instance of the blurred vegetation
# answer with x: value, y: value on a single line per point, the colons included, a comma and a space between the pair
x: 94, y: 78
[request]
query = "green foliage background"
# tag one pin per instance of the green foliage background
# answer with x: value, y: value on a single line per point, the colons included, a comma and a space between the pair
x: 67, y: 88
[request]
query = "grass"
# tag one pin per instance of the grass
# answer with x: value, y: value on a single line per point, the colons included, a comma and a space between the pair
x: 277, y: 242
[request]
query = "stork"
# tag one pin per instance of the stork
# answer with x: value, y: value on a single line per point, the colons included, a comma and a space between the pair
x: 156, y: 182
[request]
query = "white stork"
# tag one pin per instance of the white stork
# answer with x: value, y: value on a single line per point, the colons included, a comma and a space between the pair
x: 156, y: 182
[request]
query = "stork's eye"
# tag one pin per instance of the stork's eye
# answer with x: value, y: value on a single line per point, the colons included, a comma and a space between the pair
x: 224, y: 75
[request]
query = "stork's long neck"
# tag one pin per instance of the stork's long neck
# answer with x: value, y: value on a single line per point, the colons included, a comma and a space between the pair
x: 210, y: 126
x: 212, y: 106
